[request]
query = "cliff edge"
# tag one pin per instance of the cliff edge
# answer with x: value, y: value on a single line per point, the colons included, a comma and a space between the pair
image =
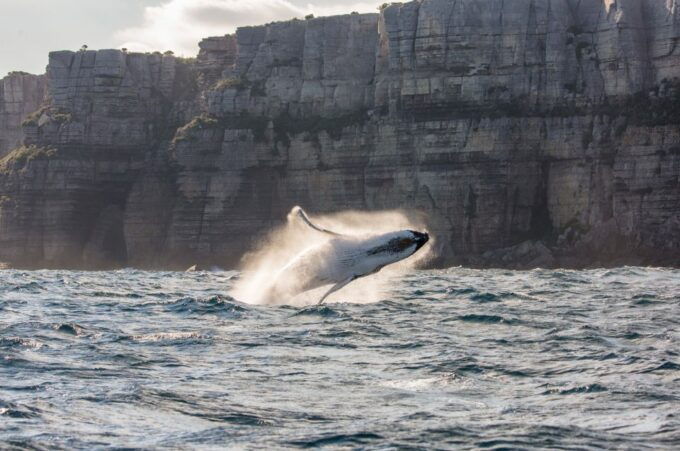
x: 530, y: 133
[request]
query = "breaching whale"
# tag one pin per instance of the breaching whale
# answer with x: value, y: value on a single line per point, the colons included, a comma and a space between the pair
x: 342, y: 259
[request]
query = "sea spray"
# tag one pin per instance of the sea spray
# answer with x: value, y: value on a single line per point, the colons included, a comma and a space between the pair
x: 262, y: 266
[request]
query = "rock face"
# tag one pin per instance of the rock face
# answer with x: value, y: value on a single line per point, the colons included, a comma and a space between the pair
x: 545, y: 130
x: 20, y: 95
x: 65, y: 193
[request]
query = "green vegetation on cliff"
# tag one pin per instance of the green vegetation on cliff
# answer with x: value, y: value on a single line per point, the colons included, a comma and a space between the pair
x: 203, y: 121
x: 55, y: 115
x: 21, y: 156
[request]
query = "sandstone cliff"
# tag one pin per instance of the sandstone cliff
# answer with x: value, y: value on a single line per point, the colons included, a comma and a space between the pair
x: 555, y: 124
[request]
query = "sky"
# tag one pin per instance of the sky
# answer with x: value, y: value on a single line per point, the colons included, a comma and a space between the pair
x: 30, y: 29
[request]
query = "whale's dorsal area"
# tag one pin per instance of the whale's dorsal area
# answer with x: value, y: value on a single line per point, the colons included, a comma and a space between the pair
x: 300, y: 213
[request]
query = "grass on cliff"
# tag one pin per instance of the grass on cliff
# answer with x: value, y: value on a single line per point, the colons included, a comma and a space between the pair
x: 257, y: 124
x: 34, y: 117
x: 197, y: 123
x: 55, y: 115
x: 285, y: 125
x: 21, y: 156
x: 230, y: 83
x: 257, y: 88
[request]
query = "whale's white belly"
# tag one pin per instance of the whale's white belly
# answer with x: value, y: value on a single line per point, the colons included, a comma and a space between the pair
x: 331, y: 262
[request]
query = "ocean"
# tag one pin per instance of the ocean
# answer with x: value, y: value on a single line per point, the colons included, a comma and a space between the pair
x: 451, y: 359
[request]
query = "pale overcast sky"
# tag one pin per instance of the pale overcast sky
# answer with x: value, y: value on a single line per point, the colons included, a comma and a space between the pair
x: 30, y: 29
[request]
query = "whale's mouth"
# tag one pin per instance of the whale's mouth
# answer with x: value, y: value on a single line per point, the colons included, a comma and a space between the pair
x: 420, y: 238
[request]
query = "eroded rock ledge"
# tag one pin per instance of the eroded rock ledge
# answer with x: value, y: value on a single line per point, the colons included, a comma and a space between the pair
x: 529, y: 132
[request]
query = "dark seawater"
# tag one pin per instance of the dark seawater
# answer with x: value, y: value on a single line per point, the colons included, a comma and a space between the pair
x: 455, y: 359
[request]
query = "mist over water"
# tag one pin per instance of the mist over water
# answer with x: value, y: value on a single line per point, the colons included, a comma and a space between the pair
x: 262, y: 266
x: 453, y: 358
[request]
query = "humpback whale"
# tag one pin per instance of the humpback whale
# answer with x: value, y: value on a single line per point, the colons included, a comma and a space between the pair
x: 342, y: 259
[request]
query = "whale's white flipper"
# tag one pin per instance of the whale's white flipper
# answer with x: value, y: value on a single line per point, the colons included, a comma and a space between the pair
x: 336, y: 287
x: 302, y: 215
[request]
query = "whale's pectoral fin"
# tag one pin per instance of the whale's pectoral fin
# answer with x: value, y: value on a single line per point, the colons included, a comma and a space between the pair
x: 302, y: 215
x: 336, y: 287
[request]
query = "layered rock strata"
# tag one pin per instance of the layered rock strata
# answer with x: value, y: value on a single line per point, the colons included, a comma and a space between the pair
x: 503, y: 122
x: 20, y: 95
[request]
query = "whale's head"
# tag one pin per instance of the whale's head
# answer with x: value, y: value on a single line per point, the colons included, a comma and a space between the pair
x: 395, y: 246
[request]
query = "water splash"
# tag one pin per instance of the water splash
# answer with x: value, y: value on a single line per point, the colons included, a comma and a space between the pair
x: 282, y: 245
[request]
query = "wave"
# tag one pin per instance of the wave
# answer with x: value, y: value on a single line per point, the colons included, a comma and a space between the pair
x: 223, y: 305
x: 167, y: 336
x: 453, y: 358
